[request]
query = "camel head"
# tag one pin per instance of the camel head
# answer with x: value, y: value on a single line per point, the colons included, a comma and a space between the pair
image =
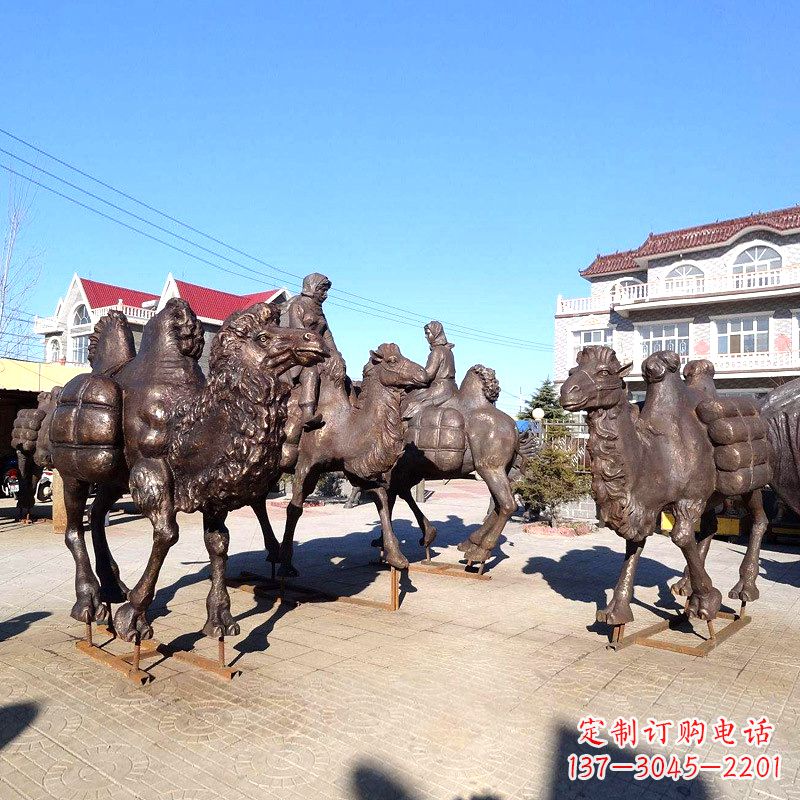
x: 597, y: 381
x: 480, y: 382
x: 391, y: 368
x: 251, y: 341
x: 175, y: 326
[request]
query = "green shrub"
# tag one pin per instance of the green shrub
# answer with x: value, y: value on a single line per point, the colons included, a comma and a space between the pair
x: 549, y: 480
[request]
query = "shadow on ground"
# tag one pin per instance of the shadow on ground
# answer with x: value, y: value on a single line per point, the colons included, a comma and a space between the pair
x: 15, y: 719
x: 14, y: 626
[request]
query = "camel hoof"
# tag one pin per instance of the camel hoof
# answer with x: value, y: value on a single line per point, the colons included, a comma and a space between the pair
x: 221, y: 623
x: 746, y: 592
x: 615, y: 614
x: 476, y: 553
x: 682, y: 587
x: 89, y: 608
x: 128, y: 622
x: 704, y: 606
x: 467, y: 544
x: 287, y: 571
x: 395, y: 559
x: 427, y: 539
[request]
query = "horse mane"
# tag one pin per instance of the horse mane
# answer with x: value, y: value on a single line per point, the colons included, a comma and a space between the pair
x: 488, y: 377
x: 111, y: 343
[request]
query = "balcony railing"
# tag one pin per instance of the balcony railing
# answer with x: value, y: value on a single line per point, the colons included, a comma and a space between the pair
x: 690, y: 286
x: 137, y: 314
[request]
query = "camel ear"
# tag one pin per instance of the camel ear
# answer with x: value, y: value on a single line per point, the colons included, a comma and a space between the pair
x: 625, y: 369
x: 376, y: 357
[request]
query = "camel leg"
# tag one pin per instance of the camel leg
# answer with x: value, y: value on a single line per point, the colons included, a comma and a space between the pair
x: 25, y: 495
x: 746, y: 589
x: 392, y: 553
x: 504, y: 506
x: 112, y: 589
x: 705, y: 600
x: 618, y: 611
x: 88, y: 605
x: 428, y: 531
x: 271, y: 544
x: 708, y: 527
x: 220, y: 621
x: 305, y: 479
x: 151, y: 487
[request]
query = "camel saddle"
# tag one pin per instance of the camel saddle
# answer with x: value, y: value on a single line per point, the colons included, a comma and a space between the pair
x: 439, y: 433
x: 741, y: 448
x: 86, y: 429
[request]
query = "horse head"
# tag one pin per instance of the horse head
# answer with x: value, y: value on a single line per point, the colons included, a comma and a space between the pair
x: 479, y: 384
x: 596, y: 382
x: 392, y: 369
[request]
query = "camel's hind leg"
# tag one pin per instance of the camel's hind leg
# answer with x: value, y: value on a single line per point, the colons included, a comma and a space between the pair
x: 708, y: 527
x: 220, y: 621
x: 88, y: 605
x: 618, y: 611
x: 485, y: 539
x: 305, y: 479
x: 112, y: 589
x: 271, y: 544
x: 746, y: 589
x: 428, y: 531
x: 392, y: 553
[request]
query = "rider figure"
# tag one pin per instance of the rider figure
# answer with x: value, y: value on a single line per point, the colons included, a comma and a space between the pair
x: 305, y: 311
x: 440, y: 371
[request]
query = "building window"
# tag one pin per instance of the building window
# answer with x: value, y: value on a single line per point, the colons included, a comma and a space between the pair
x: 81, y: 316
x: 54, y: 351
x: 665, y: 336
x: 756, y: 266
x: 600, y: 336
x: 684, y: 279
x: 80, y: 349
x: 743, y: 335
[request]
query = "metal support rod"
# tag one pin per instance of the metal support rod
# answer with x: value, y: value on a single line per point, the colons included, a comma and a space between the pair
x: 137, y: 651
x: 221, y: 651
x: 89, y: 634
x: 711, y: 632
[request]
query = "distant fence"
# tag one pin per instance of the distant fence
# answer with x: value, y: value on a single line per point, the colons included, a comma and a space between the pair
x: 571, y: 437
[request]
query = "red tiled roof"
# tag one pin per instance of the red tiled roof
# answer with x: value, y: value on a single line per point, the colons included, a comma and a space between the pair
x: 213, y: 304
x: 106, y: 294
x: 694, y: 238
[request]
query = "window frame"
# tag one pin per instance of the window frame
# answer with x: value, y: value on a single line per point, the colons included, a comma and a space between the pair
x: 728, y: 318
x: 640, y: 340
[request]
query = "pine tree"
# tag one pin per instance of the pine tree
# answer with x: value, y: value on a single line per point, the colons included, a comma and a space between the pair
x: 546, y: 398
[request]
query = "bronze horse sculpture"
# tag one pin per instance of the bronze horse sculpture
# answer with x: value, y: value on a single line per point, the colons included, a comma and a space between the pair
x: 180, y: 443
x: 682, y: 453
x: 362, y: 435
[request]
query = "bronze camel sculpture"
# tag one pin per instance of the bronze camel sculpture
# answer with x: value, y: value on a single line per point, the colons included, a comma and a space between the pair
x: 363, y: 436
x: 179, y: 442
x: 666, y: 457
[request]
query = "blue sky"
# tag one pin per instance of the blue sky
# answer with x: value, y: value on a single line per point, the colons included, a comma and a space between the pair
x: 459, y: 160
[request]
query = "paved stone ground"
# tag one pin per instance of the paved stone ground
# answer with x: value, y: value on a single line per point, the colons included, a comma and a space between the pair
x: 472, y: 690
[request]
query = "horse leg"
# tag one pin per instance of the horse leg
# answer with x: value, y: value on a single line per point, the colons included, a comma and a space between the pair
x: 220, y: 621
x: 618, y: 611
x: 271, y: 544
x: 428, y: 531
x: 504, y: 506
x: 392, y: 553
x: 705, y: 600
x: 151, y: 487
x: 112, y: 589
x: 305, y: 479
x: 88, y: 605
x: 746, y: 589
x: 708, y: 527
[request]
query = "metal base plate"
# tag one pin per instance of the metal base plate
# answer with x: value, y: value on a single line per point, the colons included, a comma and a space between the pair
x: 646, y: 636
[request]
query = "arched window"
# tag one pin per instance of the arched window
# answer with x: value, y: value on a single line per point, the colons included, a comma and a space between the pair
x: 628, y: 290
x: 757, y: 266
x: 684, y: 279
x: 54, y: 351
x: 81, y: 316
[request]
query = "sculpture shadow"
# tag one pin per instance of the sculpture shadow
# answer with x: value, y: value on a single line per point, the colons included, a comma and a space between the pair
x: 615, y: 784
x: 586, y: 575
x: 14, y: 626
x: 15, y: 719
x: 371, y: 781
x: 785, y: 572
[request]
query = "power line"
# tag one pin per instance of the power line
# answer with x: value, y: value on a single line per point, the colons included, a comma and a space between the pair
x: 494, y: 337
x: 371, y: 312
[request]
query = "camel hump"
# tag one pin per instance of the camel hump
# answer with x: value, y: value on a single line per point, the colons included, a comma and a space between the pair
x: 86, y: 428
x: 741, y: 448
x: 440, y: 434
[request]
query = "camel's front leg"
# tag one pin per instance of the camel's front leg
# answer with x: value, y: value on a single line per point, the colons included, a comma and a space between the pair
x: 392, y: 553
x: 271, y: 544
x: 151, y: 488
x: 618, y: 611
x: 705, y: 600
x: 220, y: 621
x: 746, y: 589
x: 428, y: 531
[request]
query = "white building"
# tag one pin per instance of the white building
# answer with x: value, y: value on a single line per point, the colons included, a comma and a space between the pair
x: 728, y: 291
x: 66, y: 333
